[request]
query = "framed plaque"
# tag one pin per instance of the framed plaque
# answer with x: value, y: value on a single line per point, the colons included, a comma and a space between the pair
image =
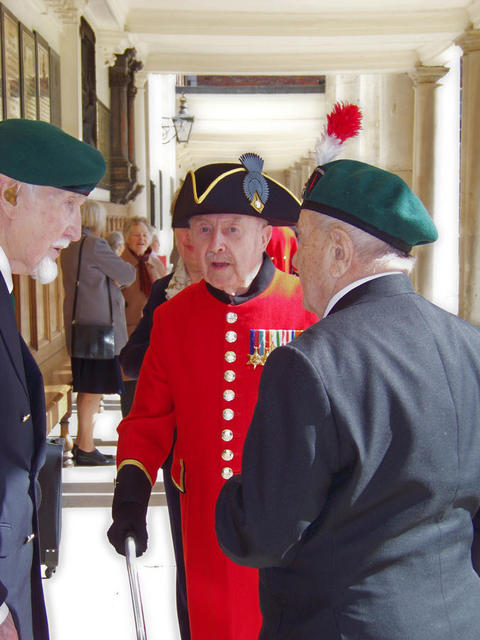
x: 103, y: 140
x: 11, y: 58
x: 1, y: 68
x: 28, y: 74
x: 43, y: 78
x: 55, y: 89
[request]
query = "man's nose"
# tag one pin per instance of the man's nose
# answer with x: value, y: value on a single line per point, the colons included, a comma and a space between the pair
x: 216, y: 241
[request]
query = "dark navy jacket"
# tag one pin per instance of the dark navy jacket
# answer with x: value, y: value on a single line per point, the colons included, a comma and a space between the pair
x: 361, y: 478
x: 131, y: 356
x: 22, y: 453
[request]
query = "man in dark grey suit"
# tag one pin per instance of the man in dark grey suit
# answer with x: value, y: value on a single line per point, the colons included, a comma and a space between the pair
x: 45, y: 176
x: 360, y: 487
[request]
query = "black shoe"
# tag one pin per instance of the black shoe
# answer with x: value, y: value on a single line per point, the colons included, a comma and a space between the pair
x: 91, y: 458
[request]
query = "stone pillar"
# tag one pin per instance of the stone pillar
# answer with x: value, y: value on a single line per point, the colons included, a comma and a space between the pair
x: 469, y: 286
x: 425, y: 80
x: 368, y: 140
x: 140, y: 206
x: 71, y: 74
x: 395, y: 124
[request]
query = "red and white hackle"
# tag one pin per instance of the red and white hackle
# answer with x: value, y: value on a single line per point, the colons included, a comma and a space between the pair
x: 344, y: 121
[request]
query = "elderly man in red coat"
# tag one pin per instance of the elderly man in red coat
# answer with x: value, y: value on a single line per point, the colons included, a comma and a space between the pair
x: 200, y: 377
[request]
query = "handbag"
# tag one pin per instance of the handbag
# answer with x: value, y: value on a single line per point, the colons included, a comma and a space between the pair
x: 92, y: 341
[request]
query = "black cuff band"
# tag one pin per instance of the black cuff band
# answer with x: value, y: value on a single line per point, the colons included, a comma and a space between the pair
x: 132, y: 485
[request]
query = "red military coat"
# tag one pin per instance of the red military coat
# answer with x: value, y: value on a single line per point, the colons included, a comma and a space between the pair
x: 200, y: 375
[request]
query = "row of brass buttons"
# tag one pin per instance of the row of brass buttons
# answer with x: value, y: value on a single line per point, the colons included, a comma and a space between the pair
x: 229, y: 395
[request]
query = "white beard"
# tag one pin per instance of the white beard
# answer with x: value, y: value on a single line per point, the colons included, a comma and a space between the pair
x: 46, y: 270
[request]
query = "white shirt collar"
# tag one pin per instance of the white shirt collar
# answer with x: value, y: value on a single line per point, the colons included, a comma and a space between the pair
x: 353, y: 285
x: 6, y: 270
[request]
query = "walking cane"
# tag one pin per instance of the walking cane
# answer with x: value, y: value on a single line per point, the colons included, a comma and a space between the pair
x: 130, y: 555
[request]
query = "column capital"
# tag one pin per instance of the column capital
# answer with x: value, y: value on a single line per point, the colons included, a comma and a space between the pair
x: 469, y: 41
x: 427, y: 75
x: 141, y: 78
x: 109, y: 43
x: 67, y: 11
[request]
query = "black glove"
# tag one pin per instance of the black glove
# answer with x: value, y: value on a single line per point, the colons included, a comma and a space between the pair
x: 129, y: 509
x: 129, y: 519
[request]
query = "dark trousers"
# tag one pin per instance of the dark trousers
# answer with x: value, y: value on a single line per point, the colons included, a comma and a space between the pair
x: 126, y: 399
x: 173, y: 503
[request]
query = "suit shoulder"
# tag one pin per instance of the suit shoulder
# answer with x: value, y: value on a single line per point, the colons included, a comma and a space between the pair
x: 442, y: 318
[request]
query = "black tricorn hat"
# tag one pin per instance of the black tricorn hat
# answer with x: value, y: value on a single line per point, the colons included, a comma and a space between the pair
x: 235, y: 188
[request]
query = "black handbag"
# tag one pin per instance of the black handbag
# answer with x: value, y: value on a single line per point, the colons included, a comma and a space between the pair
x: 92, y: 341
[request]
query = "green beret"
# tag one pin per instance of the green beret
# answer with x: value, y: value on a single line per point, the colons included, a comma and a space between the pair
x: 374, y: 200
x: 235, y: 188
x: 39, y: 153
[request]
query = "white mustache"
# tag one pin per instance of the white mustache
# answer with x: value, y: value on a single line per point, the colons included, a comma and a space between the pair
x: 213, y: 257
x: 61, y: 244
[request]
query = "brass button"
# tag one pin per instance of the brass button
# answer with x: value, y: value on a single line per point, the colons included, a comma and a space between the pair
x: 231, y: 317
x: 227, y: 473
x: 229, y: 375
x: 228, y: 395
x: 227, y: 414
x: 227, y: 455
x: 26, y: 417
x: 230, y: 356
x: 231, y: 336
x: 227, y: 435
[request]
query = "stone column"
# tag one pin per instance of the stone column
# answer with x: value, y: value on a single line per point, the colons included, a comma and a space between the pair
x: 395, y: 124
x: 425, y: 80
x: 140, y: 206
x: 71, y: 73
x: 469, y: 286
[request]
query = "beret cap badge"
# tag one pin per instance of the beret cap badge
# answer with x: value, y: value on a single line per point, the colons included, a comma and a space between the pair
x: 255, y: 186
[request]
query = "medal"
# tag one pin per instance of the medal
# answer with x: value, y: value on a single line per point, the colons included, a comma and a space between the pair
x: 264, y: 341
x: 255, y: 358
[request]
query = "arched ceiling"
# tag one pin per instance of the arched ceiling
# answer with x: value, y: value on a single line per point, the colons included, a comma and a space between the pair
x: 299, y: 37
x: 284, y: 36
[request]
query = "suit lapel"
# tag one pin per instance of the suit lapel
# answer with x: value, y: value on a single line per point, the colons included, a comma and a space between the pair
x: 9, y: 333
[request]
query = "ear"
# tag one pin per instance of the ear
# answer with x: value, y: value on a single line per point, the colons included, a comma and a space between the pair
x: 8, y: 195
x: 266, y: 235
x: 341, y: 252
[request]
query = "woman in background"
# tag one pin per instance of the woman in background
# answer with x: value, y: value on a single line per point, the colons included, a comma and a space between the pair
x: 100, y: 269
x: 116, y: 242
x: 148, y: 268
x: 186, y: 272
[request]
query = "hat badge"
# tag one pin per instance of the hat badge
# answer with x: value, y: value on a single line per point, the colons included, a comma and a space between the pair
x: 255, y: 185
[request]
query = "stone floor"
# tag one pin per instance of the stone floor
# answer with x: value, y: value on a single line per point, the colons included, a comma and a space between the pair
x: 88, y: 597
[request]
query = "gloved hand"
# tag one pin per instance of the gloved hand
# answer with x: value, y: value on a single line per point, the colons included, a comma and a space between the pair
x: 129, y: 509
x: 129, y: 519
